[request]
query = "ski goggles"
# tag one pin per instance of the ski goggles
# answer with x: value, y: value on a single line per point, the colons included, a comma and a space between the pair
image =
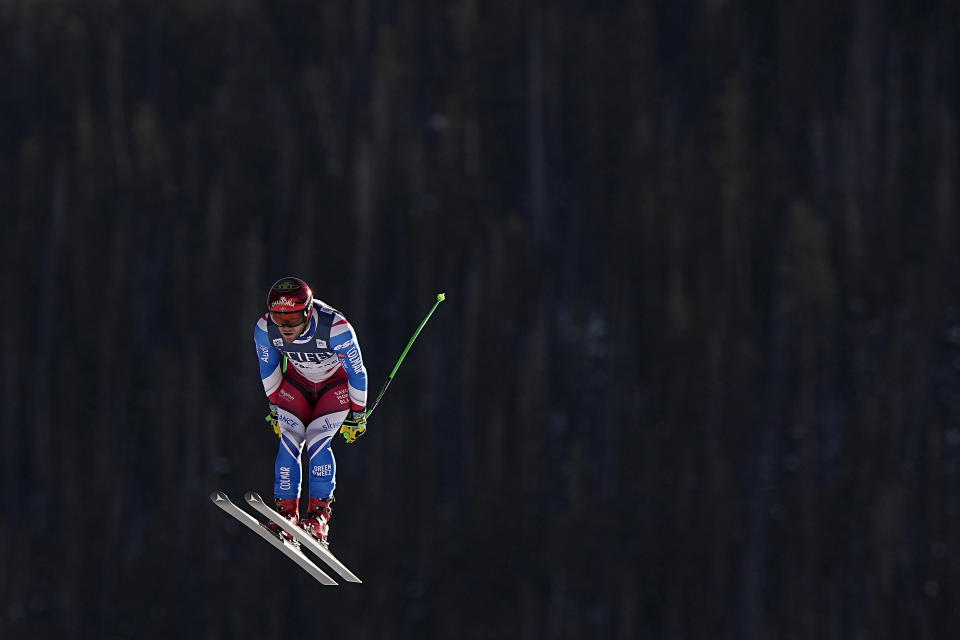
x: 290, y: 319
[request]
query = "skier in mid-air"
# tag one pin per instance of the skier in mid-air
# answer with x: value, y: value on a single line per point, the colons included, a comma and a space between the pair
x: 316, y: 385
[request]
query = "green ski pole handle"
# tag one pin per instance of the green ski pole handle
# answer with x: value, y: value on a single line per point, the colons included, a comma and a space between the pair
x: 440, y: 298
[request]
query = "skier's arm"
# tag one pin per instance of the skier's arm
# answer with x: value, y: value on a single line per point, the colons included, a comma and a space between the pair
x: 270, y: 361
x: 344, y: 343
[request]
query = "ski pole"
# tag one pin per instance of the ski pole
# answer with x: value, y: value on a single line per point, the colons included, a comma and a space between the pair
x: 440, y: 298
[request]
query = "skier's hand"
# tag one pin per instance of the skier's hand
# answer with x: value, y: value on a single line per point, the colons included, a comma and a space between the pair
x: 354, y: 426
x: 273, y: 420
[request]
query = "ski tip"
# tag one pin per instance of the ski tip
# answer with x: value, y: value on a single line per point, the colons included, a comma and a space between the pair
x: 219, y: 496
x: 252, y: 496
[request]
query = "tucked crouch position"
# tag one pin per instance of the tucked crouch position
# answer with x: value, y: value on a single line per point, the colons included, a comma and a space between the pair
x: 316, y: 385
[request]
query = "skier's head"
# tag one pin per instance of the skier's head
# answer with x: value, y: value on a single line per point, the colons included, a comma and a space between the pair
x: 289, y: 305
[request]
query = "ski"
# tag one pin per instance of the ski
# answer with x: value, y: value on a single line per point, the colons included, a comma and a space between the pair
x: 305, y: 539
x: 288, y: 548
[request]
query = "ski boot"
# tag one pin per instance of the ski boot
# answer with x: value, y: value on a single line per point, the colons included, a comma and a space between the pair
x: 289, y: 509
x: 316, y: 522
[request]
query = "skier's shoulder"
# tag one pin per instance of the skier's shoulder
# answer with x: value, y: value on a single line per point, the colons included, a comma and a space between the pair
x: 262, y: 325
x: 322, y: 307
x: 327, y: 314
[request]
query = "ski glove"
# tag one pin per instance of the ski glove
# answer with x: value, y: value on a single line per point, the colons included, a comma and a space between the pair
x: 273, y: 420
x: 354, y: 426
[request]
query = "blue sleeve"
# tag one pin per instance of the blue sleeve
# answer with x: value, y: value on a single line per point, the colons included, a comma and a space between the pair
x: 347, y: 348
x: 269, y: 357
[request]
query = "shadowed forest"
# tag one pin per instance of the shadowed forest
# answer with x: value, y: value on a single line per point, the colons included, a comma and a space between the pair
x: 697, y: 374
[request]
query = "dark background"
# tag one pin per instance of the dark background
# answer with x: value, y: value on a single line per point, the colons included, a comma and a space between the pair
x: 698, y: 370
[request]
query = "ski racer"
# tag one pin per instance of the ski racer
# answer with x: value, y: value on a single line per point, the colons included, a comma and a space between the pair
x: 316, y: 385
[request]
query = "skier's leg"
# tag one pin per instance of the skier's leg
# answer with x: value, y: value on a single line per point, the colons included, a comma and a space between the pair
x: 292, y: 410
x: 287, y: 471
x: 323, y: 480
x: 323, y: 473
x: 328, y: 414
x: 323, y: 466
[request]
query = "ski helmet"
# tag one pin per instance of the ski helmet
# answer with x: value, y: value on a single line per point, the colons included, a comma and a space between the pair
x: 290, y: 302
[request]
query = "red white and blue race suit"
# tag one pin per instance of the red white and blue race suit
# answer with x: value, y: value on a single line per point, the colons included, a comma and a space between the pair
x: 314, y: 381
